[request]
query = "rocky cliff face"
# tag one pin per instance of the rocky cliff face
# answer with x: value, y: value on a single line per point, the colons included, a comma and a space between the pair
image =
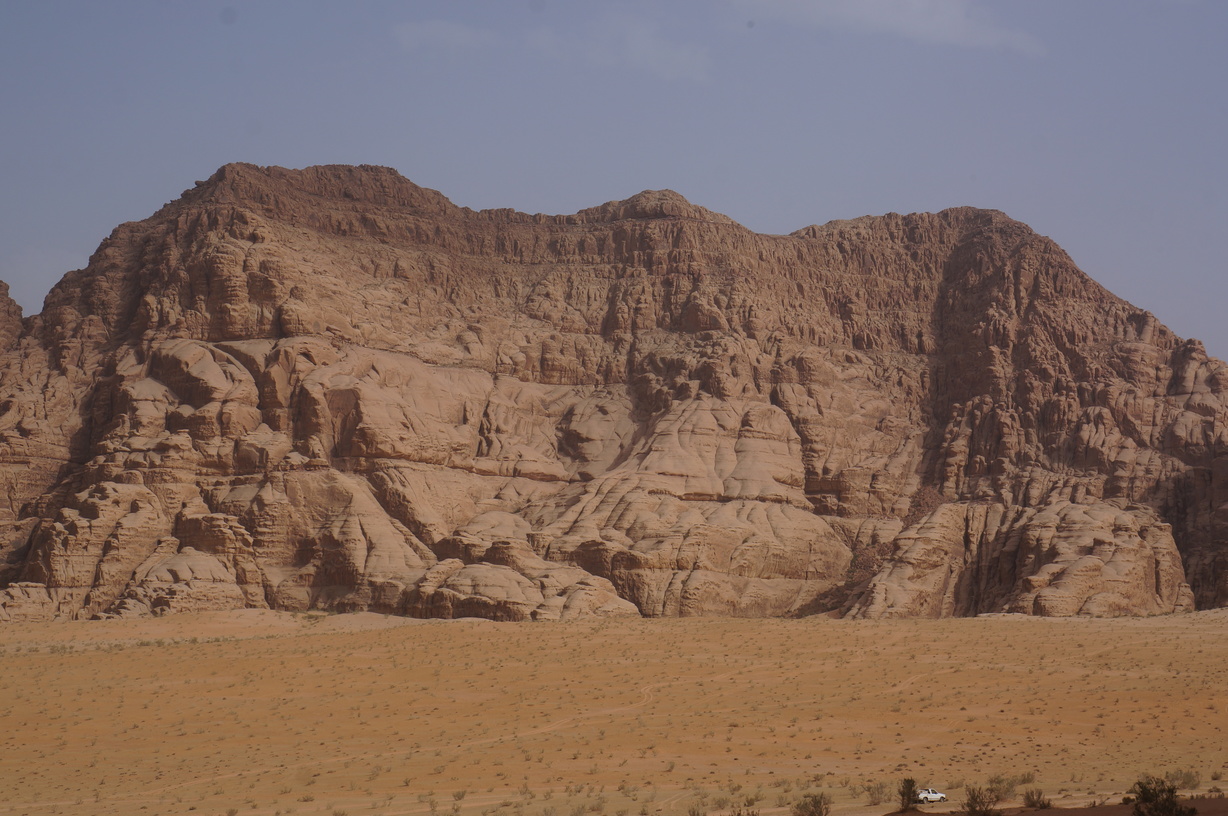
x: 330, y: 388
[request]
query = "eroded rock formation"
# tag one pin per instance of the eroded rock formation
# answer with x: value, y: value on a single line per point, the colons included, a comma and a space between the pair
x: 331, y: 388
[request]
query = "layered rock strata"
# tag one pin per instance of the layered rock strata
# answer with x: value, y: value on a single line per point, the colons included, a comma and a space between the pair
x: 333, y: 389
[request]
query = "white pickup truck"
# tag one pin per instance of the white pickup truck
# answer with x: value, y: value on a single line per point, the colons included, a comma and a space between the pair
x: 929, y: 796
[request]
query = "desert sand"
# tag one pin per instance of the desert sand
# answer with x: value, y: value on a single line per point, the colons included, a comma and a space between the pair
x: 260, y: 712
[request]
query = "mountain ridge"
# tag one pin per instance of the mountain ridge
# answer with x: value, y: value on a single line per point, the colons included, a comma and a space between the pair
x: 333, y: 388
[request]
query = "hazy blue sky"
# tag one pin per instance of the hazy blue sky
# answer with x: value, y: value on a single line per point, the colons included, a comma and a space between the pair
x: 1101, y: 123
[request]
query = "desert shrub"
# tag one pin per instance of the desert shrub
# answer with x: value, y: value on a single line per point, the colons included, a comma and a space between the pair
x: 877, y: 792
x: 1154, y: 796
x: 980, y: 801
x: 1000, y: 788
x: 812, y: 804
x: 1035, y: 798
x: 1216, y: 776
x: 1187, y: 779
x: 908, y: 794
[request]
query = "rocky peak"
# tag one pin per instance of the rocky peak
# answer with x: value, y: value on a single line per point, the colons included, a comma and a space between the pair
x: 361, y: 188
x: 650, y: 204
x: 10, y: 319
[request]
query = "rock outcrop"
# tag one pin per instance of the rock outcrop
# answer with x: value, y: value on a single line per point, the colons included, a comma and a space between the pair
x: 330, y: 388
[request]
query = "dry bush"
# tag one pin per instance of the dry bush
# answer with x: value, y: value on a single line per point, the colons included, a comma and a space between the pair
x: 1035, y: 798
x: 812, y: 804
x: 1000, y: 787
x: 907, y: 791
x: 980, y: 802
x: 1186, y: 779
x: 1154, y: 796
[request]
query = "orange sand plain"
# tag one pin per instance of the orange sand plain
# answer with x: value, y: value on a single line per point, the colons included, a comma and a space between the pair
x: 273, y: 713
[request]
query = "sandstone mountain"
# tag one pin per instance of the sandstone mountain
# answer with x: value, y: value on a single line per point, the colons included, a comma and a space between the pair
x: 331, y: 388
